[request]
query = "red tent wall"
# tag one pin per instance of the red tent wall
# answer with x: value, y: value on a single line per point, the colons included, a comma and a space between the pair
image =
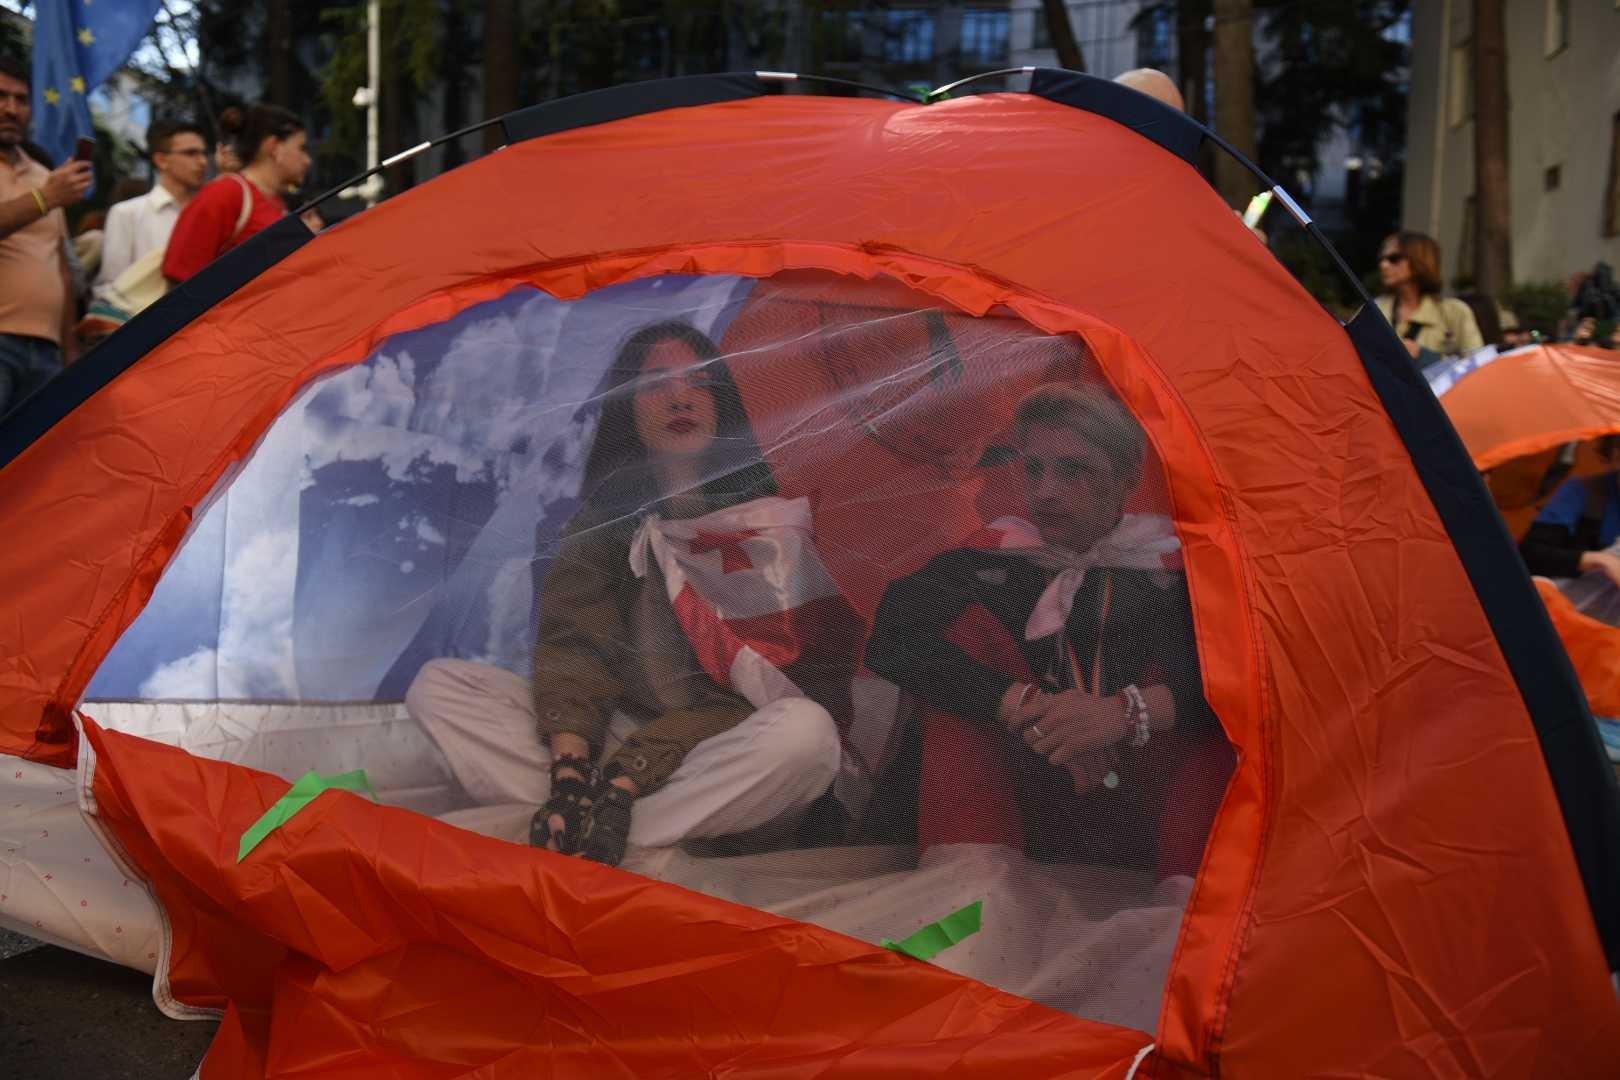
x: 1387, y: 889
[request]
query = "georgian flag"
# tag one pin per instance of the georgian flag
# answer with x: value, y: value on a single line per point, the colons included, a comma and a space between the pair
x: 760, y: 610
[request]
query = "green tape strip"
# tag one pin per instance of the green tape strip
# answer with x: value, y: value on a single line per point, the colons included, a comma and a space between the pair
x: 935, y: 938
x: 300, y: 795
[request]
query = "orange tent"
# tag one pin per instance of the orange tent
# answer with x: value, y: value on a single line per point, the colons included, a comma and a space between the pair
x: 1519, y: 413
x: 1415, y: 868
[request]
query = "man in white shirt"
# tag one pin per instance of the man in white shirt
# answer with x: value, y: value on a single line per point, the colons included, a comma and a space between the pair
x: 136, y: 227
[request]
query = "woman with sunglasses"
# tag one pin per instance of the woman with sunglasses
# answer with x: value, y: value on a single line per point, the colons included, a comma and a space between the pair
x: 1428, y: 323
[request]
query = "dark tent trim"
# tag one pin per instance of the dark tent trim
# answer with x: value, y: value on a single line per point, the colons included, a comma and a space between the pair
x: 1147, y: 116
x: 1581, y: 775
x: 631, y: 99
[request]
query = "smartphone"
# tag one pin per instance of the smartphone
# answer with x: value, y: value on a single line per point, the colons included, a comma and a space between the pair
x: 85, y: 150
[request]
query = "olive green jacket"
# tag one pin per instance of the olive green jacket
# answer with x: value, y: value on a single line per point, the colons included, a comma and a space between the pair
x: 608, y: 641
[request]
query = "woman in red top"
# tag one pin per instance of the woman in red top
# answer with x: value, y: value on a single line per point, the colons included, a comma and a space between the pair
x: 235, y: 206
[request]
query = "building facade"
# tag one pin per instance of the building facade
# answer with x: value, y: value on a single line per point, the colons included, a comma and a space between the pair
x: 1563, y: 84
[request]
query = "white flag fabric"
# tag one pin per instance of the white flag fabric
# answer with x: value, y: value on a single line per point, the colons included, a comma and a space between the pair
x: 1138, y: 542
x: 753, y: 596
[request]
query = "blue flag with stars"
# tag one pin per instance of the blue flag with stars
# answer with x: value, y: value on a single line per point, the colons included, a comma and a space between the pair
x: 77, y: 45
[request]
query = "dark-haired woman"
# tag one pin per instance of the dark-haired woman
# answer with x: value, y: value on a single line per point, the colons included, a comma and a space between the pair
x: 239, y: 204
x: 1431, y: 325
x: 654, y: 724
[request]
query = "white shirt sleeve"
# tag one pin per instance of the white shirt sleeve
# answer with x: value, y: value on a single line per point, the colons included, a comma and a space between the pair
x: 117, y: 243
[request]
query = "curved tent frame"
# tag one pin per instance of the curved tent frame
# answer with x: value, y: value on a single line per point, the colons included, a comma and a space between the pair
x: 1213, y: 1017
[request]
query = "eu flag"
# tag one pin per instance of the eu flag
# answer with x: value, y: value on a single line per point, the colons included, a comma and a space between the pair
x: 77, y: 45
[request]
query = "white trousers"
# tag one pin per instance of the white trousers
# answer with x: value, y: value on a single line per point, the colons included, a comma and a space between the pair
x: 768, y: 768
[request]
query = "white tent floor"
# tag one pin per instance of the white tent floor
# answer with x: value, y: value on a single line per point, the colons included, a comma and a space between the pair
x: 1089, y: 941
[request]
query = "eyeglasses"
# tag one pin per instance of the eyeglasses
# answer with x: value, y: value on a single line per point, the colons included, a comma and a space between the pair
x: 1395, y: 259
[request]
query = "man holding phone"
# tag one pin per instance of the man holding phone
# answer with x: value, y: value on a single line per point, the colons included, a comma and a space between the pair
x: 36, y: 286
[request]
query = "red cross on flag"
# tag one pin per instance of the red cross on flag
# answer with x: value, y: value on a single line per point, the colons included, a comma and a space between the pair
x: 760, y: 610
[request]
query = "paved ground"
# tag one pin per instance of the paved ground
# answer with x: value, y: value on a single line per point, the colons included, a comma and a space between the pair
x: 67, y: 1017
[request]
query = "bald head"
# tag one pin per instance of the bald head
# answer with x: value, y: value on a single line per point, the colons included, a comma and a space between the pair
x: 1155, y: 84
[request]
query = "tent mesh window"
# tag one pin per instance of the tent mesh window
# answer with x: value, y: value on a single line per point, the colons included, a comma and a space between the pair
x: 875, y: 607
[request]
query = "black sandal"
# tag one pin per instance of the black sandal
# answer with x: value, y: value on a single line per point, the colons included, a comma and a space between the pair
x: 570, y: 800
x: 607, y: 825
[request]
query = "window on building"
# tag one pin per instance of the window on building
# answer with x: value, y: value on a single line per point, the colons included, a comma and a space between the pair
x: 1156, y: 38
x: 1042, y: 37
x: 1557, y: 26
x: 1465, y: 242
x: 1461, y: 96
x: 908, y: 36
x: 984, y: 35
x: 1552, y: 178
x: 1611, y: 195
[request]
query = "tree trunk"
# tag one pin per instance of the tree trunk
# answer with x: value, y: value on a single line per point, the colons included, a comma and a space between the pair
x: 1192, y: 71
x: 1192, y: 61
x: 1061, y: 31
x: 278, y: 53
x: 1493, y: 242
x: 500, y: 65
x: 453, y: 80
x: 1234, y: 97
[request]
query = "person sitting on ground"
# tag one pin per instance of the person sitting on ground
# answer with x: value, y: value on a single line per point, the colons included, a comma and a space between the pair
x: 237, y: 205
x: 1575, y: 531
x: 1430, y: 325
x: 646, y: 742
x: 1097, y: 688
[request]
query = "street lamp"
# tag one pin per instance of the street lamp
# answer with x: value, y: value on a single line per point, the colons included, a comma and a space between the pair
x: 365, y: 98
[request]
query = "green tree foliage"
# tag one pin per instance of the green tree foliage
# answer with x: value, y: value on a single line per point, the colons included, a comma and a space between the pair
x: 1327, y: 64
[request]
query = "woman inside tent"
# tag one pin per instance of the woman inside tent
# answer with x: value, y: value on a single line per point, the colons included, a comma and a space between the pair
x: 1431, y: 325
x: 1069, y: 637
x: 239, y: 204
x: 657, y: 721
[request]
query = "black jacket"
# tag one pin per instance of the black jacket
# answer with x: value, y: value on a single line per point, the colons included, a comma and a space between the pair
x: 1148, y: 637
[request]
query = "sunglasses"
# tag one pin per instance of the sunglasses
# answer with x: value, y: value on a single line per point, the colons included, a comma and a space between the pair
x: 1396, y: 259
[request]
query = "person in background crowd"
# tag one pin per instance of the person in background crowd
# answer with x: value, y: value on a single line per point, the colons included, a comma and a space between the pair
x: 138, y: 226
x: 1604, y: 334
x: 36, y: 283
x: 1576, y: 531
x: 226, y: 160
x: 1515, y: 334
x: 237, y: 205
x: 1431, y: 326
x: 1155, y: 84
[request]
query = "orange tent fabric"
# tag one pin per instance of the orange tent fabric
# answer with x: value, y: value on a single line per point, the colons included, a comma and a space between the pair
x: 1385, y: 891
x: 1594, y: 648
x: 1516, y: 413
